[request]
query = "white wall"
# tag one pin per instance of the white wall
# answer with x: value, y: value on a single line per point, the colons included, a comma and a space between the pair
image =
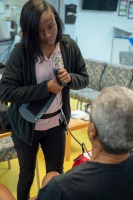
x: 59, y: 6
x: 94, y: 31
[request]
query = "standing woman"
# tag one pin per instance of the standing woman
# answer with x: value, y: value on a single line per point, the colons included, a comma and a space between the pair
x: 31, y: 62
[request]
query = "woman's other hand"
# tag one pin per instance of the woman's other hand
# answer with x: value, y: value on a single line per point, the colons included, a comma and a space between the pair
x: 64, y: 76
x: 53, y: 86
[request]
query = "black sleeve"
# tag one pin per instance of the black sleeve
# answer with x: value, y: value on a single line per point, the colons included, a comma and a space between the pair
x: 80, y: 76
x: 75, y: 65
x: 17, y: 83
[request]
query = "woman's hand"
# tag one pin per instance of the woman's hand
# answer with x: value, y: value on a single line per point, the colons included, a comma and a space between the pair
x: 64, y: 76
x: 53, y: 86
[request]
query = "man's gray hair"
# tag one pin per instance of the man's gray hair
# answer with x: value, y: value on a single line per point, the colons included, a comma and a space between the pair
x: 112, y: 114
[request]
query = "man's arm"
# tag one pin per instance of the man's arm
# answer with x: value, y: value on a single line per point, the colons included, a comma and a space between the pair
x: 46, y: 180
x: 50, y: 191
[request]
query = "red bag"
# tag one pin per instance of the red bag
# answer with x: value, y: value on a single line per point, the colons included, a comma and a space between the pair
x: 82, y: 158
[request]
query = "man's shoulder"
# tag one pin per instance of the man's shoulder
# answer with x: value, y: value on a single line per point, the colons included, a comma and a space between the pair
x: 73, y: 174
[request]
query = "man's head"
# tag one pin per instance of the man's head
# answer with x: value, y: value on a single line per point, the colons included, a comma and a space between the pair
x: 112, y: 119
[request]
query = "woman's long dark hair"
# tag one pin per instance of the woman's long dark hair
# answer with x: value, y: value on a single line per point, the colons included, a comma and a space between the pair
x: 29, y: 22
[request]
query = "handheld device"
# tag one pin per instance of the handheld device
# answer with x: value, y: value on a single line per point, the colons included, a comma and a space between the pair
x: 55, y: 70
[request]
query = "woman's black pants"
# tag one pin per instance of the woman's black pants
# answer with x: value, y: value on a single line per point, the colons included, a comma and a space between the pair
x: 52, y: 142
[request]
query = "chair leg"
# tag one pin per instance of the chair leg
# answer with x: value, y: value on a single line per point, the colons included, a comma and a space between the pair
x: 37, y: 174
x: 9, y: 164
x: 80, y: 105
x: 77, y: 104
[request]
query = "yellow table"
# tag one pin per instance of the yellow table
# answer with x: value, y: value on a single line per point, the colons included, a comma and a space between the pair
x: 5, y: 134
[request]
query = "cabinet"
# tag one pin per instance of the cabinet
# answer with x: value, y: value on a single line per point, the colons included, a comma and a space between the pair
x: 126, y: 58
x: 119, y: 44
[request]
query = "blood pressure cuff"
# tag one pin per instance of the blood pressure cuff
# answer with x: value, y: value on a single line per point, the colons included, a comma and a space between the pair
x: 33, y: 111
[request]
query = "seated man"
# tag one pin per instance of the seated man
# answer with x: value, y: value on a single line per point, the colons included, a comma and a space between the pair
x: 108, y: 175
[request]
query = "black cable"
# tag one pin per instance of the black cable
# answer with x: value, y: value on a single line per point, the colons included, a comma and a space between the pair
x: 86, y: 150
x: 68, y: 129
x: 81, y: 144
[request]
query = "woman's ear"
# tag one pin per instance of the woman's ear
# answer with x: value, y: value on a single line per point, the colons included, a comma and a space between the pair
x: 92, y: 133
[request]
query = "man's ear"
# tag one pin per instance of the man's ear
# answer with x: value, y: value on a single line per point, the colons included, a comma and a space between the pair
x: 92, y: 133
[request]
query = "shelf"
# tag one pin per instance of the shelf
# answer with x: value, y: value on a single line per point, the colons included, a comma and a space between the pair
x: 123, y: 32
x: 128, y: 30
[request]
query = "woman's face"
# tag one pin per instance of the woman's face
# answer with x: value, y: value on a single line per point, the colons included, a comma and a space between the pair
x: 47, y: 29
